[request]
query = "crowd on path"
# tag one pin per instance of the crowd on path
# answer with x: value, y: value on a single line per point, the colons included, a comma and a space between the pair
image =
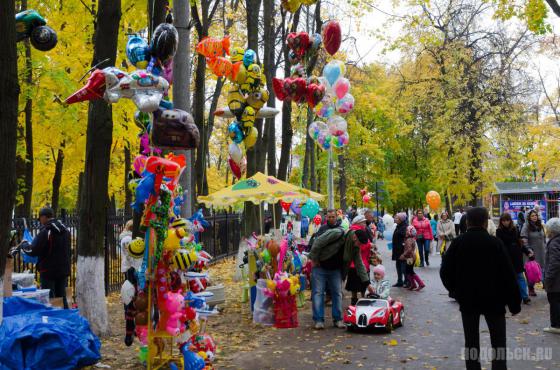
x: 509, y: 261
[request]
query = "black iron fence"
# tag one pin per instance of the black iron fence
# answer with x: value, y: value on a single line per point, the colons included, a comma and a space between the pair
x: 220, y: 239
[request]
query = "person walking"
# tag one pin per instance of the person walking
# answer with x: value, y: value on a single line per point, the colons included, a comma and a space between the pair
x: 457, y: 220
x: 409, y: 256
x: 552, y: 274
x: 532, y: 236
x: 371, y: 229
x: 445, y: 232
x: 509, y: 235
x: 424, y: 236
x: 433, y: 224
x: 353, y: 281
x: 491, y: 285
x: 398, y: 247
x: 521, y: 219
x: 52, y: 247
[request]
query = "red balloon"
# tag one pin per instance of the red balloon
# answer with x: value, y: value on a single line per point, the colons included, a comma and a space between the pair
x: 317, y: 220
x: 296, y: 88
x: 363, y: 192
x: 366, y: 198
x: 235, y: 168
x: 315, y: 93
x: 299, y: 42
x: 332, y: 37
x: 285, y: 205
x: 279, y: 90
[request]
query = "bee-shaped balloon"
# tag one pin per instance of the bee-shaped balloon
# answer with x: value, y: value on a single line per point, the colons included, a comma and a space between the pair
x: 236, y: 101
x: 253, y: 80
x: 237, y: 54
x: 248, y: 117
x: 257, y: 99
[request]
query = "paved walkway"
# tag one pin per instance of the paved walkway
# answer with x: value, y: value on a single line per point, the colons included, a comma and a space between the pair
x: 432, y: 336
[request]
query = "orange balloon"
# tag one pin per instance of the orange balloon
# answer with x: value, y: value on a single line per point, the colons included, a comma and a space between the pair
x: 433, y: 199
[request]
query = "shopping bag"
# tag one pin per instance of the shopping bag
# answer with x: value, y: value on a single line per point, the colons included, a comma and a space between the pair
x: 28, y: 238
x: 417, y: 258
x: 442, y: 248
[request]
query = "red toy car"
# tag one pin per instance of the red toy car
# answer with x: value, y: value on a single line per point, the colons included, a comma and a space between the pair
x: 374, y: 313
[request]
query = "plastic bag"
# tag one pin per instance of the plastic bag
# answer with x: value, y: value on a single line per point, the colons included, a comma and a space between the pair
x: 417, y: 258
x: 263, y: 310
x: 27, y: 258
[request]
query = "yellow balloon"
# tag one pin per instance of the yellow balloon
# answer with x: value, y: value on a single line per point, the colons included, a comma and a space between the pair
x: 173, y: 240
x: 251, y: 138
x: 248, y: 117
x: 237, y: 54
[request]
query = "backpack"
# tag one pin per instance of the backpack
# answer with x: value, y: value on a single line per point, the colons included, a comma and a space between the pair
x: 533, y: 272
x: 335, y: 261
x: 174, y: 129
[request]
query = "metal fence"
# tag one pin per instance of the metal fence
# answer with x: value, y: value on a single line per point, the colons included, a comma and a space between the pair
x: 220, y: 239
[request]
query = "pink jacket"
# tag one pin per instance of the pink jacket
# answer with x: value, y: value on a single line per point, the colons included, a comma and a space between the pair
x: 365, y: 249
x: 423, y: 228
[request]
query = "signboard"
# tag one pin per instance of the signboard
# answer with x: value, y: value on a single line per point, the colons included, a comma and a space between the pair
x: 514, y: 206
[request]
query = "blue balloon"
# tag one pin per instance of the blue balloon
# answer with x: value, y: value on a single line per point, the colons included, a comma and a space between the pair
x: 249, y: 57
x: 137, y: 50
x: 143, y: 191
x: 236, y: 132
x: 191, y: 360
x: 332, y: 72
x: 390, y: 246
x: 310, y: 208
x: 388, y: 234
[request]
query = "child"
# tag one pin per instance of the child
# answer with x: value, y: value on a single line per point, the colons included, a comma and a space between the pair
x: 374, y: 260
x: 409, y: 255
x: 381, y: 286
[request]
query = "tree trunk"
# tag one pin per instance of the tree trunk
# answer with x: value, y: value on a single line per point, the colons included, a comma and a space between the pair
x: 90, y: 291
x: 57, y: 179
x: 342, y: 180
x: 157, y: 10
x: 127, y: 192
x: 9, y: 93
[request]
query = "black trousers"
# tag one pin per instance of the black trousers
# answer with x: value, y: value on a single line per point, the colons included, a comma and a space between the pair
x: 401, y: 267
x: 57, y: 287
x: 554, y: 302
x: 497, y: 327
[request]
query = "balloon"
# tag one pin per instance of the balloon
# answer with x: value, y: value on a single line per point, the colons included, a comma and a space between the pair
x: 315, y: 93
x: 222, y: 66
x: 317, y: 40
x: 310, y: 208
x: 97, y: 84
x: 191, y: 360
x: 325, y: 108
x: 211, y: 47
x: 332, y: 36
x: 366, y: 198
x: 296, y: 88
x: 139, y: 164
x: 345, y: 105
x: 337, y: 125
x: 144, y: 89
x: 296, y: 207
x: 278, y: 88
x: 251, y: 137
x: 257, y: 99
x: 164, y: 42
x: 363, y: 192
x: 248, y: 117
x: 137, y: 51
x: 235, y: 153
x: 344, y: 138
x: 249, y: 57
x: 312, y: 129
x: 388, y: 221
x: 299, y: 43
x: 235, y: 168
x: 332, y: 72
x: 236, y: 102
x: 341, y: 87
x: 291, y: 5
x: 433, y: 199
x: 235, y: 132
x: 285, y: 205
x: 297, y: 71
x: 317, y: 220
x: 388, y: 234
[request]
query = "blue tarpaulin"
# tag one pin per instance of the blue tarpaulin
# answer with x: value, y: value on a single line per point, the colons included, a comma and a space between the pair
x: 34, y: 336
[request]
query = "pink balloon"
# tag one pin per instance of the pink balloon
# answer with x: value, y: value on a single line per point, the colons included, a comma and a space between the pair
x: 341, y: 87
x: 366, y: 198
x: 139, y: 164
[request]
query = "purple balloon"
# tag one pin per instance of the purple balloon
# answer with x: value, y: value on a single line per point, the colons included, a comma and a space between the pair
x: 296, y: 206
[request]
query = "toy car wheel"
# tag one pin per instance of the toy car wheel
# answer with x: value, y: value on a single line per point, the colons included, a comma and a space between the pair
x: 401, y: 321
x: 350, y: 328
x: 43, y: 38
x: 389, y: 326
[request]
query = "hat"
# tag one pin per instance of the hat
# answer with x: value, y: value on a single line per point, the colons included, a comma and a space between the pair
x: 358, y: 219
x: 401, y: 216
x: 47, y: 212
x: 362, y: 236
x: 380, y: 270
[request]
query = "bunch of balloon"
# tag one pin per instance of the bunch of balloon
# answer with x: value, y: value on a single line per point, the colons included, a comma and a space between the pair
x: 247, y: 94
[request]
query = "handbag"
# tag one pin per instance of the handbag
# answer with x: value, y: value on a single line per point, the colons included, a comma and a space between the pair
x: 410, y: 261
x: 174, y: 129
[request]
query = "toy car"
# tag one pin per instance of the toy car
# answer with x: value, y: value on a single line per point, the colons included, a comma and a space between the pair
x: 29, y: 23
x: 374, y: 313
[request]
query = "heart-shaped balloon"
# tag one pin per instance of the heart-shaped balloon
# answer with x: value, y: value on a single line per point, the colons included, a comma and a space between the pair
x: 285, y: 205
x: 341, y: 87
x: 315, y: 94
x: 296, y: 88
x: 235, y: 168
x: 345, y: 105
x: 332, y: 72
x: 279, y: 90
x: 235, y: 153
x: 363, y: 192
x: 332, y: 37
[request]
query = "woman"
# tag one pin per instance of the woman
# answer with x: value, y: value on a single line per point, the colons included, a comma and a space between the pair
x: 445, y: 232
x: 552, y: 274
x: 507, y: 233
x: 398, y: 246
x: 424, y: 236
x: 532, y: 236
x: 433, y: 224
x: 353, y: 282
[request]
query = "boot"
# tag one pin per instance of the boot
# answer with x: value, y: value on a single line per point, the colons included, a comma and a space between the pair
x: 411, y: 282
x: 419, y: 281
x: 532, y: 292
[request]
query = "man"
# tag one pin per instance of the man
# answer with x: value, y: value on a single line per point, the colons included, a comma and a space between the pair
x: 477, y: 271
x: 330, y: 255
x: 521, y: 219
x: 368, y: 214
x: 398, y: 247
x: 52, y: 247
x: 457, y: 220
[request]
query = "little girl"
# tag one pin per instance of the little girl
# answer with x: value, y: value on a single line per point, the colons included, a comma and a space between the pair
x: 381, y: 286
x: 409, y: 255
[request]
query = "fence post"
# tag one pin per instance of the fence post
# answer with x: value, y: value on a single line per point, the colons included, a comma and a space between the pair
x: 106, y: 259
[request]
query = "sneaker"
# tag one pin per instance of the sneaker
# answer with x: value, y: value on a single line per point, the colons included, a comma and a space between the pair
x: 398, y: 285
x: 319, y: 325
x: 339, y: 324
x: 527, y: 300
x: 552, y: 330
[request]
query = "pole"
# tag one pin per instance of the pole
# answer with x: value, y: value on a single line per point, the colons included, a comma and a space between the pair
x: 182, y: 93
x: 330, y: 184
x: 376, y: 199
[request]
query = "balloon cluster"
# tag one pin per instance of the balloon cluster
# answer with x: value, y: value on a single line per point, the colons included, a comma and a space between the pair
x: 366, y: 196
x: 293, y: 5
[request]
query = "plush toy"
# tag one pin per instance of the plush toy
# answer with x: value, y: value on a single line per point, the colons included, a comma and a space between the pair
x: 174, y: 307
x: 173, y: 240
x: 191, y: 360
x: 204, y: 343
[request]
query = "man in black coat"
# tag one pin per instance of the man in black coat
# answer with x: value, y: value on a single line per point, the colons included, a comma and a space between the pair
x: 478, y: 272
x: 52, y: 246
x: 398, y: 246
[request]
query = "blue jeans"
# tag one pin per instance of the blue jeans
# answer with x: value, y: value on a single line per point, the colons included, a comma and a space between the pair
x: 522, y: 285
x: 320, y: 277
x: 423, y: 250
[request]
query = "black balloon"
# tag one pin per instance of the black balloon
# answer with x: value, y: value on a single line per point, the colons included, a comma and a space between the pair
x: 164, y: 42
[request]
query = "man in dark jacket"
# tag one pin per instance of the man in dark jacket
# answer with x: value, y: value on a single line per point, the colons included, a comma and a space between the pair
x: 368, y: 214
x: 521, y: 219
x: 478, y: 272
x: 52, y: 246
x: 552, y: 274
x: 398, y: 246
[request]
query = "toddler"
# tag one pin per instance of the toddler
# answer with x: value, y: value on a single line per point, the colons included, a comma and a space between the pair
x: 381, y: 286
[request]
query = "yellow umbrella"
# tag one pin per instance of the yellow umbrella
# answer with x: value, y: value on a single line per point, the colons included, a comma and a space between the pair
x: 257, y: 189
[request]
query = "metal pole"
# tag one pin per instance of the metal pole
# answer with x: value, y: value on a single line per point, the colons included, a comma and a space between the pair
x: 377, y: 198
x: 330, y: 184
x: 182, y: 93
